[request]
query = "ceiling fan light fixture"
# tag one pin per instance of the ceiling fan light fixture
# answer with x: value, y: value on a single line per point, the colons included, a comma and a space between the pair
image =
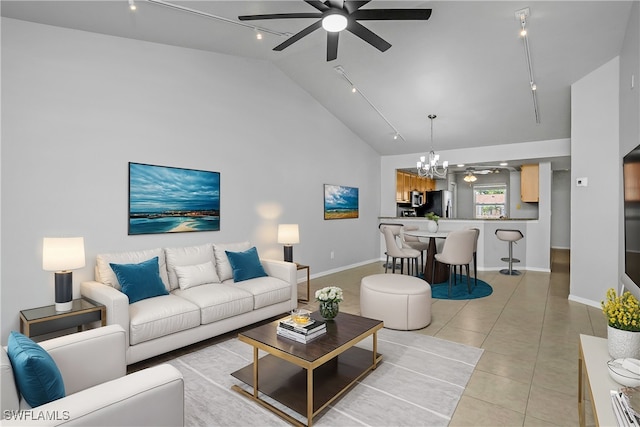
x: 334, y: 22
x: 470, y: 177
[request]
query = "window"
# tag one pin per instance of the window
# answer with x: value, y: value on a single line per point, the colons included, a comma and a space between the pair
x: 490, y: 201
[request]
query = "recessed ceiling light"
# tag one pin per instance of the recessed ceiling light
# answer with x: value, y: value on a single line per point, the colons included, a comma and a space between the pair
x: 132, y: 5
x: 504, y: 164
x: 461, y: 165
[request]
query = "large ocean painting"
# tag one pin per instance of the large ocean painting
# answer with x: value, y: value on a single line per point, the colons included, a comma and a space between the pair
x: 340, y: 202
x: 165, y: 199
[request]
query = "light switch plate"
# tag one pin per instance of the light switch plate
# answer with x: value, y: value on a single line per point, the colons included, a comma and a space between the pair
x: 582, y: 182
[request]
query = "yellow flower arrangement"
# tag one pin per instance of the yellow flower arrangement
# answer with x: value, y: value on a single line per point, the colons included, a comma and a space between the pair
x: 623, y: 312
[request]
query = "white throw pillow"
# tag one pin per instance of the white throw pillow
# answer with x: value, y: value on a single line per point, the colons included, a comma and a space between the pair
x: 195, y: 275
x: 184, y: 256
x: 225, y: 272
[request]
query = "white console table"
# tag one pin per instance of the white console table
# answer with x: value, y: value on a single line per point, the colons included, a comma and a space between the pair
x: 593, y: 376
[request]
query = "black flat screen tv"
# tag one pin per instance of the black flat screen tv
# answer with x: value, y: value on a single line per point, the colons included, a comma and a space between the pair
x: 631, y: 179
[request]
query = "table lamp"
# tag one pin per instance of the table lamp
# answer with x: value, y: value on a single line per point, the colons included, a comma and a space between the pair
x: 288, y: 235
x: 63, y: 254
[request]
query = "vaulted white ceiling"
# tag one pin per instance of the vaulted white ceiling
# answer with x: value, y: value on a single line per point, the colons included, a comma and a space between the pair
x: 466, y: 64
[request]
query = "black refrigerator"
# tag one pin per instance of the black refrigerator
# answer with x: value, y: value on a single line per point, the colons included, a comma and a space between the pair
x: 439, y: 202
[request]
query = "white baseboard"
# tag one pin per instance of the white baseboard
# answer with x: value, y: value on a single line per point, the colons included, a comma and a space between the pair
x: 585, y: 301
x: 383, y: 259
x: 339, y: 269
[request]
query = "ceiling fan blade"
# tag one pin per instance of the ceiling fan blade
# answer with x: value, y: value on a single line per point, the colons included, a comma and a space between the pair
x: 318, y: 5
x: 332, y: 45
x: 352, y: 6
x: 368, y: 36
x: 279, y: 16
x: 294, y: 38
x: 391, y: 14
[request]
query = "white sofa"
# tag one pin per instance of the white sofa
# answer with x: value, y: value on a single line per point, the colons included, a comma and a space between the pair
x: 97, y: 390
x: 187, y: 315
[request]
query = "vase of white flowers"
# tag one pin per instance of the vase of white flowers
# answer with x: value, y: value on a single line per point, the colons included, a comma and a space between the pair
x: 329, y: 299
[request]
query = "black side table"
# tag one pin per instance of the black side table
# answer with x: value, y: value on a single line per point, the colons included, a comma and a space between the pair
x: 303, y: 267
x: 43, y: 320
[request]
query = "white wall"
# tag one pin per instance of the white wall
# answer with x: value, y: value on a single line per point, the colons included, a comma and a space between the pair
x: 78, y: 106
x: 629, y: 110
x: 561, y: 209
x: 595, y: 154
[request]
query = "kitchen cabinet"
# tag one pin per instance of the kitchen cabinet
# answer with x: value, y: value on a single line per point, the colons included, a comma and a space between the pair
x: 399, y: 186
x: 403, y: 182
x: 414, y: 183
x: 408, y: 182
x: 430, y: 184
x: 529, y: 183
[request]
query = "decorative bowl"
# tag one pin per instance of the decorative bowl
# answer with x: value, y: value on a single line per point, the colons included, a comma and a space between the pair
x: 621, y: 375
x: 301, y: 316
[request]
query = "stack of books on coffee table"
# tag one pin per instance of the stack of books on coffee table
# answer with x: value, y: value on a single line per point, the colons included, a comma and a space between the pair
x: 302, y: 333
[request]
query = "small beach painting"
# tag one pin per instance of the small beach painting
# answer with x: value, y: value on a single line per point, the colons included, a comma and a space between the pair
x: 166, y: 199
x: 340, y: 202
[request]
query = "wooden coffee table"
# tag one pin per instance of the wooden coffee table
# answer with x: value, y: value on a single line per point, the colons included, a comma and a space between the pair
x: 331, y: 365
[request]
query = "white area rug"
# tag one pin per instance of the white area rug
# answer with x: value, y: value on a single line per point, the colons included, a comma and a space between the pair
x: 418, y: 383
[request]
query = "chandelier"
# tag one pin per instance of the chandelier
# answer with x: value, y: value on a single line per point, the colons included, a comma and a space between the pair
x: 429, y: 167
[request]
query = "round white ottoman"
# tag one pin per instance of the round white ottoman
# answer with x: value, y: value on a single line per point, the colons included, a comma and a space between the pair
x: 400, y: 301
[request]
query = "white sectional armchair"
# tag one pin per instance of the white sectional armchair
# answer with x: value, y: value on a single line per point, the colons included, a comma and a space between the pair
x: 97, y: 390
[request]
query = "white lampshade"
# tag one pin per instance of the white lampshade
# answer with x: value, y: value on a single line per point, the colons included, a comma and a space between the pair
x: 288, y: 234
x: 62, y: 253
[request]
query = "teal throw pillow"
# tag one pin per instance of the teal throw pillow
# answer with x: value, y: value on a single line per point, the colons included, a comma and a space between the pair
x: 36, y: 374
x: 245, y: 265
x: 140, y: 281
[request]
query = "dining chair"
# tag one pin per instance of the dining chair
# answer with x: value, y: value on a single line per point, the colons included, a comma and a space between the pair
x: 413, y: 242
x: 475, y: 258
x: 394, y: 251
x: 457, y: 250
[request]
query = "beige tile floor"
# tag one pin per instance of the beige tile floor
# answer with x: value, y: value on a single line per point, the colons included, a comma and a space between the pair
x: 528, y: 373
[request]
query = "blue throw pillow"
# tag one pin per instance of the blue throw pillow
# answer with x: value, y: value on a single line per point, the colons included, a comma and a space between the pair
x: 140, y: 281
x: 36, y: 374
x: 245, y: 265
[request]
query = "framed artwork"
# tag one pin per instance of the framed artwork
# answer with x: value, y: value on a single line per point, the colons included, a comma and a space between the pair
x: 165, y: 199
x: 340, y: 202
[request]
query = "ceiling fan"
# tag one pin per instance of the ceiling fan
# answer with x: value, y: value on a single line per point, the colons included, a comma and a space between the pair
x: 470, y: 172
x: 337, y: 15
x: 484, y: 170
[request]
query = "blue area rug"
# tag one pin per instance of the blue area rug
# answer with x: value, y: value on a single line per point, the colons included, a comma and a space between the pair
x: 459, y: 290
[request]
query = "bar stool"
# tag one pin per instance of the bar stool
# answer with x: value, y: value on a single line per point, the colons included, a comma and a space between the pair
x: 510, y: 236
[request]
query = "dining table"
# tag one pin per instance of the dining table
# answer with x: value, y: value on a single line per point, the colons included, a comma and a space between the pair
x: 441, y: 273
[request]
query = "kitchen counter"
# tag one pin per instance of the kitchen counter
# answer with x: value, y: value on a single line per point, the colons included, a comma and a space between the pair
x: 490, y: 249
